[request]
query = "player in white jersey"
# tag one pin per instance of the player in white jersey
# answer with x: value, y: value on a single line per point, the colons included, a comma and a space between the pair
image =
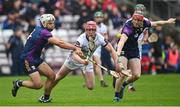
x: 102, y: 29
x: 89, y: 41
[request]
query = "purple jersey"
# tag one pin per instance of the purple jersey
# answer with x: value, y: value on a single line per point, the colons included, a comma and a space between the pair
x: 133, y: 34
x: 36, y: 41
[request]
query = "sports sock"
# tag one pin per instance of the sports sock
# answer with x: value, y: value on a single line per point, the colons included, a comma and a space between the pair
x: 46, y: 97
x: 117, y: 94
x: 20, y: 83
x: 125, y: 83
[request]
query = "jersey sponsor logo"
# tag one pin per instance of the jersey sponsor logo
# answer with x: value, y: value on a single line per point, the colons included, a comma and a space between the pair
x: 33, y: 67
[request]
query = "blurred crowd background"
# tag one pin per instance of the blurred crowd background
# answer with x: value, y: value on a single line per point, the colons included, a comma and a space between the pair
x: 19, y: 17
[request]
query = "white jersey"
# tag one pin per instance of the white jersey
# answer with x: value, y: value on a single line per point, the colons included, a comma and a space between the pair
x: 102, y: 28
x: 83, y: 43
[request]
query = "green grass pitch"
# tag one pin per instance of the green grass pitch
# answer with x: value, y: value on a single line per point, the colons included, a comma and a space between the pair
x: 159, y: 90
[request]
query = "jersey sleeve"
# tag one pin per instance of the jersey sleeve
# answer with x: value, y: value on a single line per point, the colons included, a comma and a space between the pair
x: 79, y: 41
x: 126, y: 30
x: 45, y: 34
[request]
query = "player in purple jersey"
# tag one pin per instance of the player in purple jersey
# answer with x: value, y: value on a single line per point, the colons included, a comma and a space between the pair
x: 128, y: 50
x: 33, y: 64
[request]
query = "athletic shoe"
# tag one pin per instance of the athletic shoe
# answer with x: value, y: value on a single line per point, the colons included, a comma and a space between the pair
x: 121, y: 93
x: 103, y: 84
x: 131, y: 88
x: 15, y: 87
x: 116, y: 99
x: 43, y: 100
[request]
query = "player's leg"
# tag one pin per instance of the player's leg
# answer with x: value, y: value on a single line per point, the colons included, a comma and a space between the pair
x: 89, y: 76
x: 59, y: 75
x: 119, y: 89
x: 33, y: 83
x: 135, y: 66
x: 89, y: 80
x: 63, y: 72
x: 45, y: 70
x: 98, y: 71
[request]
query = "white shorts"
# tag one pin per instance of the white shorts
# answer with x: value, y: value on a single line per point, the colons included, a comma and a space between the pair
x: 73, y: 65
x: 97, y: 52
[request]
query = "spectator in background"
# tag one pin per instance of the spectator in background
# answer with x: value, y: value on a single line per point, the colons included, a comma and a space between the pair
x: 171, y: 62
x: 61, y: 5
x: 31, y: 26
x: 42, y: 11
x: 77, y: 5
x: 57, y: 14
x: 15, y: 46
x: 47, y: 5
x: 83, y: 18
x: 31, y: 12
x: 17, y: 5
x: 10, y: 22
x: 178, y: 19
x: 125, y: 14
x: 115, y: 17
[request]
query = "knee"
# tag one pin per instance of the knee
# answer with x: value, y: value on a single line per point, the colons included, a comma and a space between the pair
x: 137, y: 76
x: 38, y: 85
x: 52, y: 77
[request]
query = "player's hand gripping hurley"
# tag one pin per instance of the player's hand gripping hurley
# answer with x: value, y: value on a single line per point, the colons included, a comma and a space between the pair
x: 113, y: 73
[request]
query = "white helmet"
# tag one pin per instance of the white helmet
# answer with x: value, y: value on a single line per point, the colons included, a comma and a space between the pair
x: 45, y: 18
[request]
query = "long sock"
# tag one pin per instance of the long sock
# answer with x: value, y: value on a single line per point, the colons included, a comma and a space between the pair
x: 20, y: 83
x: 125, y: 83
x: 114, y: 82
x: 46, y: 96
x: 117, y: 94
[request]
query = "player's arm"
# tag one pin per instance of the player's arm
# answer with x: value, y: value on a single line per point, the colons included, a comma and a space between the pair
x: 145, y: 37
x: 121, y: 43
x: 160, y: 23
x: 112, y: 52
x: 79, y: 59
x: 64, y: 45
x: 114, y: 56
